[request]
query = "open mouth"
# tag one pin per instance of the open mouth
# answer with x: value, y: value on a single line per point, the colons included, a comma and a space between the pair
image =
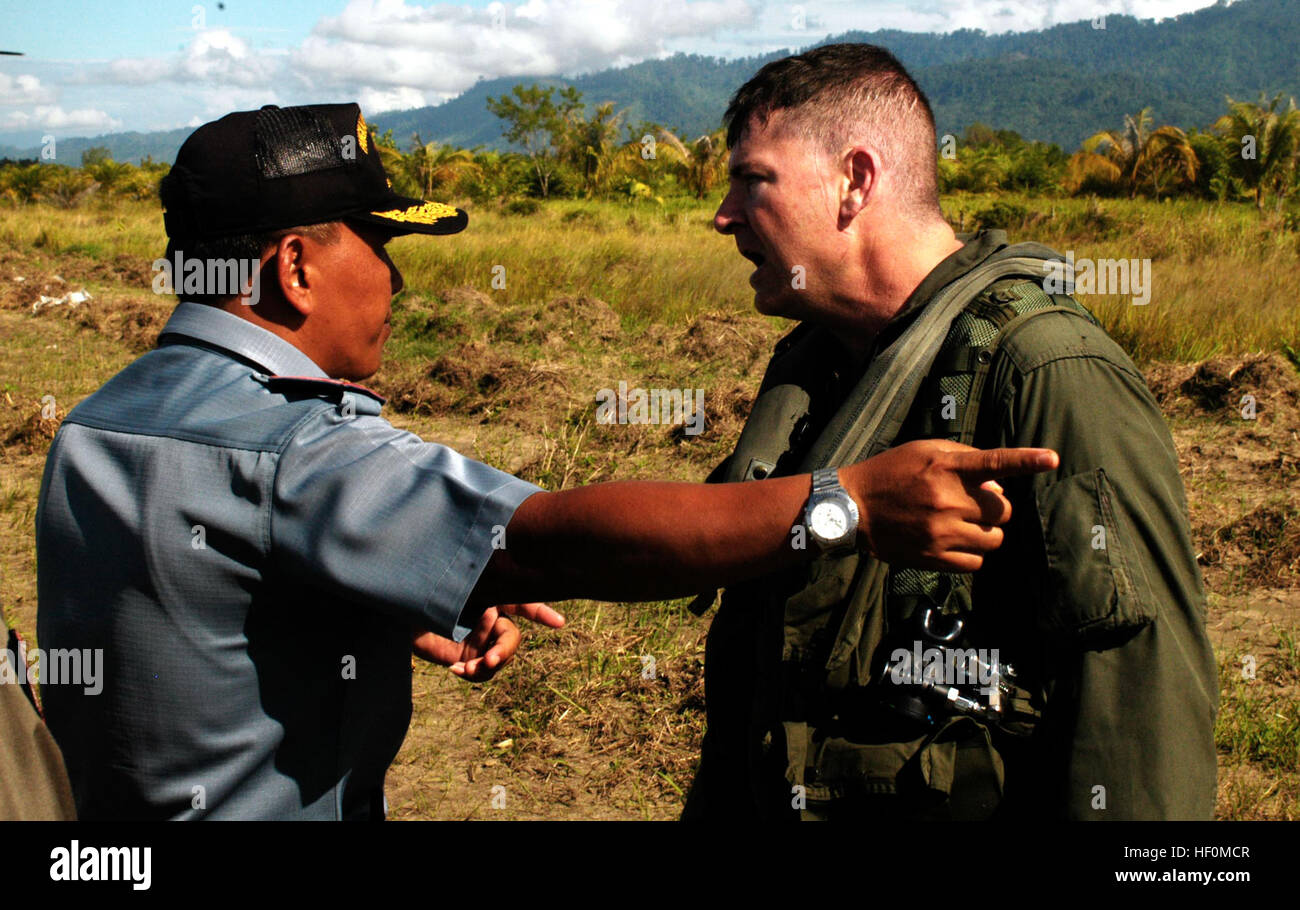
x: 753, y: 256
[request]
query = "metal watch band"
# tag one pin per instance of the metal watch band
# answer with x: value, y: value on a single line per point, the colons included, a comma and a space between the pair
x: 825, y: 479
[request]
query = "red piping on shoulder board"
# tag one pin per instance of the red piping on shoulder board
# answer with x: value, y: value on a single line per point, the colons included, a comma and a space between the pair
x: 307, y: 383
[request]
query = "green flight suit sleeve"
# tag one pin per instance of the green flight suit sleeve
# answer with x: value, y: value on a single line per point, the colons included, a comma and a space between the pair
x: 1130, y: 679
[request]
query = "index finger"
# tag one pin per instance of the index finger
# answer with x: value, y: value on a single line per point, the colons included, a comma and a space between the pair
x: 991, y: 464
x: 537, y: 612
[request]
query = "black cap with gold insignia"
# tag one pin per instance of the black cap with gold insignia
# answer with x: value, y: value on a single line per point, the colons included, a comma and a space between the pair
x: 256, y: 171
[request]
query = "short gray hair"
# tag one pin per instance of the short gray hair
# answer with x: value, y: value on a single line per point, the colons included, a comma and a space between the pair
x: 840, y: 94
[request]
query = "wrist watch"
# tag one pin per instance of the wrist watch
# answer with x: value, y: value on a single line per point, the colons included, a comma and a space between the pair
x: 831, y: 515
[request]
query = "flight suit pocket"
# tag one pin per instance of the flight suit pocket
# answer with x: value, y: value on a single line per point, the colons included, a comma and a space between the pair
x: 953, y: 772
x: 1096, y: 587
x: 841, y: 768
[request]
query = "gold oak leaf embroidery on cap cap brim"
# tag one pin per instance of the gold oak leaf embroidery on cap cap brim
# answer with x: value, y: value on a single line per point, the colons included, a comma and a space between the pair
x: 429, y: 213
x: 362, y: 135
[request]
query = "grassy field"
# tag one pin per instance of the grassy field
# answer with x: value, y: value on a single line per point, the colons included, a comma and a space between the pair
x: 596, y: 293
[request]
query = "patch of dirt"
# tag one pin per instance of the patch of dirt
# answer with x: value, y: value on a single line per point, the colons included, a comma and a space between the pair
x: 732, y: 343
x: 22, y: 280
x: 1220, y: 386
x: 473, y: 301
x: 725, y: 411
x: 580, y: 317
x: 1250, y: 792
x: 1240, y: 461
x: 444, y: 769
x: 564, y: 751
x: 601, y: 727
x: 557, y: 325
x: 36, y: 429
x: 135, y: 321
x: 1249, y: 621
x: 1264, y: 545
x: 474, y: 379
x: 24, y: 294
x: 477, y: 368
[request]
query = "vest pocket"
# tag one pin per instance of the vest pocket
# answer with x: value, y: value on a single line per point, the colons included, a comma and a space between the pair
x: 952, y: 772
x: 1095, y: 587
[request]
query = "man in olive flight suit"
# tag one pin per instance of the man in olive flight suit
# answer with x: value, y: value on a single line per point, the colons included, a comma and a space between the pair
x: 1090, y: 686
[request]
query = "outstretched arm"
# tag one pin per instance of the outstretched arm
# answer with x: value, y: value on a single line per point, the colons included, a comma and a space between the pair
x: 930, y: 503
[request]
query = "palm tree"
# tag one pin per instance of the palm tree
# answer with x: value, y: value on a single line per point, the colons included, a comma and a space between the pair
x: 700, y: 166
x: 396, y: 167
x: 1138, y: 153
x: 592, y: 145
x: 433, y: 165
x: 1272, y: 137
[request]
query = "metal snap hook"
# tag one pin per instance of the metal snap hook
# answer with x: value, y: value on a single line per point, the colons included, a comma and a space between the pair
x: 956, y: 624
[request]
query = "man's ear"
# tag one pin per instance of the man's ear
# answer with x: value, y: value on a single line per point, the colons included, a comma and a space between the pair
x: 860, y: 172
x: 289, y: 266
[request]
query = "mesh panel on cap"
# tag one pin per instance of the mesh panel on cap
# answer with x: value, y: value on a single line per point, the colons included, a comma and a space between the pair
x: 294, y: 141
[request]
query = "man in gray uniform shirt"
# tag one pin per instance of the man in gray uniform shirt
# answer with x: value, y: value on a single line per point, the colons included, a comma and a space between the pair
x: 257, y: 551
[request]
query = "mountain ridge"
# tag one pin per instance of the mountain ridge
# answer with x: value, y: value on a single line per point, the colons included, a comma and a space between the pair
x: 1059, y: 84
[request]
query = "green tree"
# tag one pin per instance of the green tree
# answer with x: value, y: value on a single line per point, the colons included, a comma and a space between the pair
x: 537, y: 123
x: 978, y: 135
x: 498, y: 175
x: 1262, y: 145
x: 95, y: 155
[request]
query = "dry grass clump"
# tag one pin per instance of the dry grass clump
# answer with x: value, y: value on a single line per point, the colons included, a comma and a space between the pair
x: 1216, y: 387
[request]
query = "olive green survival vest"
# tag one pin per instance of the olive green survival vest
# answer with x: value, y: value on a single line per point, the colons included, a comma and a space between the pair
x: 818, y: 715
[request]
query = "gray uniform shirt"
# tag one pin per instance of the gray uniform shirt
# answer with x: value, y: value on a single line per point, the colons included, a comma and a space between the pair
x: 250, y: 545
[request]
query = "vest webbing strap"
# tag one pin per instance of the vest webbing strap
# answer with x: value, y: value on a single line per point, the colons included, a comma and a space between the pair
x: 870, y: 418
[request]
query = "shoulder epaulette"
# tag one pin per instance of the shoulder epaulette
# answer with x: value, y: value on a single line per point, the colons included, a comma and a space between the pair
x: 319, y: 385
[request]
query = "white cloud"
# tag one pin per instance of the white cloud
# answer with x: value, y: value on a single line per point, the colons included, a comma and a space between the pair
x: 797, y: 24
x: 53, y: 117
x: 391, y: 54
x: 442, y: 50
x: 23, y: 89
x: 376, y: 101
x: 1023, y: 15
x: 215, y: 56
x: 395, y: 55
x: 822, y: 17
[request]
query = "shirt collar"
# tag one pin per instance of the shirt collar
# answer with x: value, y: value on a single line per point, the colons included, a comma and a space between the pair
x: 239, y: 336
x: 975, y: 250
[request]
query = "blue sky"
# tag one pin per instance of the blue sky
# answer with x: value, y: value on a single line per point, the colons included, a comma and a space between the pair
x: 96, y: 68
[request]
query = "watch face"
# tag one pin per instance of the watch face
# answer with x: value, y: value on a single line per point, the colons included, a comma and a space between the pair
x: 830, y: 521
